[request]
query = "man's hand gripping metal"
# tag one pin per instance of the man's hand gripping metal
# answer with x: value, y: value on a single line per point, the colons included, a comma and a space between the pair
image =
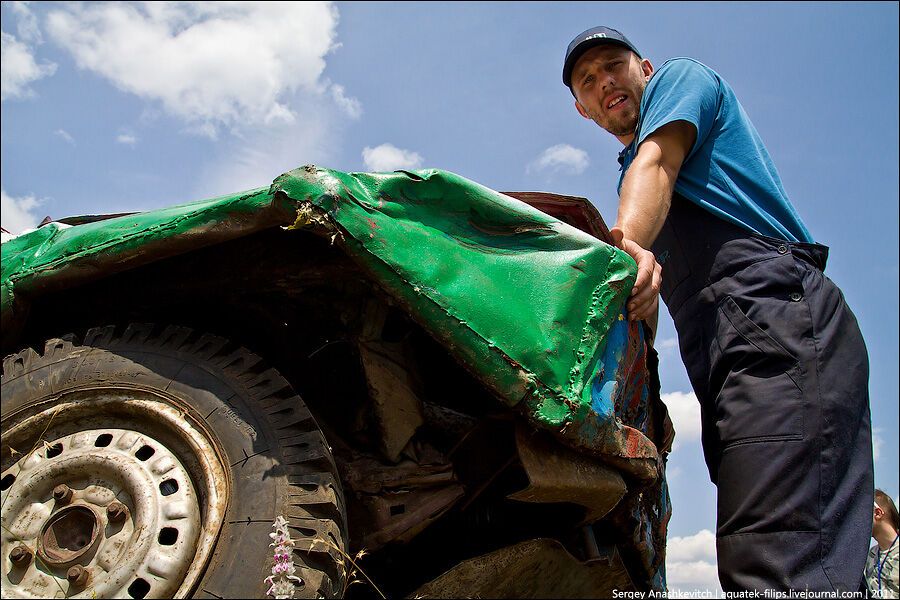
x: 643, y: 304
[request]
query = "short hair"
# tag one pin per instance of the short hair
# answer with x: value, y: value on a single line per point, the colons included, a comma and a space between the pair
x: 886, y: 504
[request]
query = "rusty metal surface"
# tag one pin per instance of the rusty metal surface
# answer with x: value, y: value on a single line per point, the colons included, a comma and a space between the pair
x: 558, y: 474
x: 68, y: 534
x: 574, y: 210
x: 370, y: 476
x: 396, y: 409
x: 478, y: 340
x: 400, y: 516
x: 640, y: 523
x: 451, y: 424
x: 539, y: 568
x: 106, y: 506
x: 393, y: 503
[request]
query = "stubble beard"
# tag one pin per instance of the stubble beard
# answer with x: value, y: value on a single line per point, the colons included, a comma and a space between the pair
x: 618, y: 127
x: 625, y: 124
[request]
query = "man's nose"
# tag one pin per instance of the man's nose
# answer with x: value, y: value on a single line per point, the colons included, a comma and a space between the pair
x: 608, y: 83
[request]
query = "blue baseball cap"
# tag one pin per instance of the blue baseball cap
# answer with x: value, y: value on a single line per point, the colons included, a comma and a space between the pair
x: 584, y: 41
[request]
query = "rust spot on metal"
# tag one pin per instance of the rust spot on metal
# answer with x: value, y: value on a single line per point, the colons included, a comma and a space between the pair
x: 21, y: 555
x: 574, y: 210
x: 116, y: 511
x: 369, y: 476
x: 400, y: 516
x: 396, y: 407
x: 395, y: 503
x: 62, y: 494
x: 68, y: 535
x: 559, y: 474
x: 78, y: 576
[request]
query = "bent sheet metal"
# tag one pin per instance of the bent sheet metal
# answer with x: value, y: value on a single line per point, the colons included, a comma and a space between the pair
x: 531, y: 305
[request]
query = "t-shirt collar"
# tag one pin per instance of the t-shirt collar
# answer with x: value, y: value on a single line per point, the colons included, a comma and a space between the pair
x: 623, y: 154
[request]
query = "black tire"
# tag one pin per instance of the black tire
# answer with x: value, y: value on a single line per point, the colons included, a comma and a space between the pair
x: 273, y: 452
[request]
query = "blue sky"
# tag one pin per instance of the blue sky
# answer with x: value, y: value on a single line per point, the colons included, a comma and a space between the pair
x: 117, y: 107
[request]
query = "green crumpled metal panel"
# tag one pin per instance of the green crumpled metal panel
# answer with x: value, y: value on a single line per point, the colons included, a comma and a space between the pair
x: 523, y: 299
x: 54, y: 257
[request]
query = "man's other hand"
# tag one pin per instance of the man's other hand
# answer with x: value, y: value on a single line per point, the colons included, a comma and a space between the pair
x: 644, y: 300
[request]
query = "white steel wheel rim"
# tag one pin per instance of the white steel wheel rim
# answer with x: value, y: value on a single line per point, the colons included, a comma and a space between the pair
x: 164, y: 468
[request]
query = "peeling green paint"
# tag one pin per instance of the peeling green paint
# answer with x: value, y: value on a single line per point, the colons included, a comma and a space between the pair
x: 525, y: 298
x: 521, y: 298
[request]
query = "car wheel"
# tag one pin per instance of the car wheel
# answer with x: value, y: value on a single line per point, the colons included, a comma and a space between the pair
x: 152, y: 462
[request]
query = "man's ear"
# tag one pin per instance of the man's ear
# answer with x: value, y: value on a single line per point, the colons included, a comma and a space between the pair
x: 581, y: 110
x: 647, y: 67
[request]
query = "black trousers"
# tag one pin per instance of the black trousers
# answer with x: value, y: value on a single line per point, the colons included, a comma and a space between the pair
x: 778, y: 363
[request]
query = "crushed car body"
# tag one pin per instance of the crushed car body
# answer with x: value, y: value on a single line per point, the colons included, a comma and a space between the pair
x: 475, y: 401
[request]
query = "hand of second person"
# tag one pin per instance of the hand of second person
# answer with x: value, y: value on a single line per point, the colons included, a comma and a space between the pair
x: 644, y: 299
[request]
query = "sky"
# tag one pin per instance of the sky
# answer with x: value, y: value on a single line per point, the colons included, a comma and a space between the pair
x: 118, y: 107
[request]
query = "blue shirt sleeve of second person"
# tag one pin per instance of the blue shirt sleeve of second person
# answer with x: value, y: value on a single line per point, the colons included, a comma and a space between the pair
x: 681, y: 90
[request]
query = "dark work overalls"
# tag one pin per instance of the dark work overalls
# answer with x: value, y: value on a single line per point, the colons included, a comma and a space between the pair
x: 779, y: 365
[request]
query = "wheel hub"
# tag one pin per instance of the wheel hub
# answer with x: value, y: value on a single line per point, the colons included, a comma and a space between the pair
x: 68, y: 535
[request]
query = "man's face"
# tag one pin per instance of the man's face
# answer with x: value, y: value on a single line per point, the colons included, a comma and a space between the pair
x: 608, y: 82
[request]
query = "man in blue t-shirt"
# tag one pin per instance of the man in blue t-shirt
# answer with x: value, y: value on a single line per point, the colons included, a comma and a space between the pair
x: 774, y: 354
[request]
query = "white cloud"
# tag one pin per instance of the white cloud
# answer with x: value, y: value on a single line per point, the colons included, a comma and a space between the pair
x: 16, y: 213
x: 257, y: 157
x: 877, y: 443
x: 127, y: 139
x: 19, y: 68
x: 351, y: 106
x: 561, y: 158
x: 26, y: 23
x: 666, y: 344
x: 700, y: 546
x: 684, y: 409
x: 212, y: 64
x: 691, y: 563
x: 387, y: 157
x: 65, y: 135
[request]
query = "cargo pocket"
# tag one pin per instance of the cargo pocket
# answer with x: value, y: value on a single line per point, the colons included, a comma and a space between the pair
x: 755, y: 381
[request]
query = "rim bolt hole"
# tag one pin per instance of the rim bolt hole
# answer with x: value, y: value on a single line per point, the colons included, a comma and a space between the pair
x: 144, y: 453
x: 54, y: 450
x: 103, y: 441
x: 7, y: 481
x: 138, y: 589
x: 168, y: 487
x: 168, y: 536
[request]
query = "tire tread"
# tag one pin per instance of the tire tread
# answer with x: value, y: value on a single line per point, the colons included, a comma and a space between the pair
x: 314, y: 498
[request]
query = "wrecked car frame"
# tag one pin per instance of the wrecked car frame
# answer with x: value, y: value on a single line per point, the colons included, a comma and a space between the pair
x: 474, y: 401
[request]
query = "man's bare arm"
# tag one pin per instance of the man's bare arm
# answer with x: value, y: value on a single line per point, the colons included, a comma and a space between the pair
x: 643, y: 206
x: 650, y: 180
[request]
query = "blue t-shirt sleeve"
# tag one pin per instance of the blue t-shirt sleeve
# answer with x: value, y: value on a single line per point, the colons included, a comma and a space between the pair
x: 682, y: 90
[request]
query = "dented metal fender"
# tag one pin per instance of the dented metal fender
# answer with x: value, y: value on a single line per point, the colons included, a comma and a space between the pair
x: 522, y: 299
